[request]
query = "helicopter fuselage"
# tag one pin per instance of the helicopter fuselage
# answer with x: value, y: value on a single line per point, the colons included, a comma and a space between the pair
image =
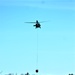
x: 37, y: 25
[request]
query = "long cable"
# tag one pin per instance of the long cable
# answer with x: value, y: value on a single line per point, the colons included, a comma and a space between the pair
x: 37, y: 51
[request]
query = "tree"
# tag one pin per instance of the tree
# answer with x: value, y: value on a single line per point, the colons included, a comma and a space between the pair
x: 27, y: 73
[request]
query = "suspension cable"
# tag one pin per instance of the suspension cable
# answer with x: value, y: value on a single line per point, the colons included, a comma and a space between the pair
x: 37, y: 51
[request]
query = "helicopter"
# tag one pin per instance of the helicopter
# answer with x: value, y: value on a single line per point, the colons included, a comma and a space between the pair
x: 37, y: 24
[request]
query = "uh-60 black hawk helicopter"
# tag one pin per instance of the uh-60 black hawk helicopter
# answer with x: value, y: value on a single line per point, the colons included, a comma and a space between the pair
x: 37, y: 24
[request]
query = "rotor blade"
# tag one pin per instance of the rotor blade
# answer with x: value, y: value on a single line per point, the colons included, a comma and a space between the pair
x: 43, y: 21
x: 29, y: 22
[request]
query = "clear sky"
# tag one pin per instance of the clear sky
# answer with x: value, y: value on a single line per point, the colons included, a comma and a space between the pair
x: 56, y: 38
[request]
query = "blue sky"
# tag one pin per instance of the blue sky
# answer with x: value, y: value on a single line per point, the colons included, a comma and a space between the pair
x: 56, y: 38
